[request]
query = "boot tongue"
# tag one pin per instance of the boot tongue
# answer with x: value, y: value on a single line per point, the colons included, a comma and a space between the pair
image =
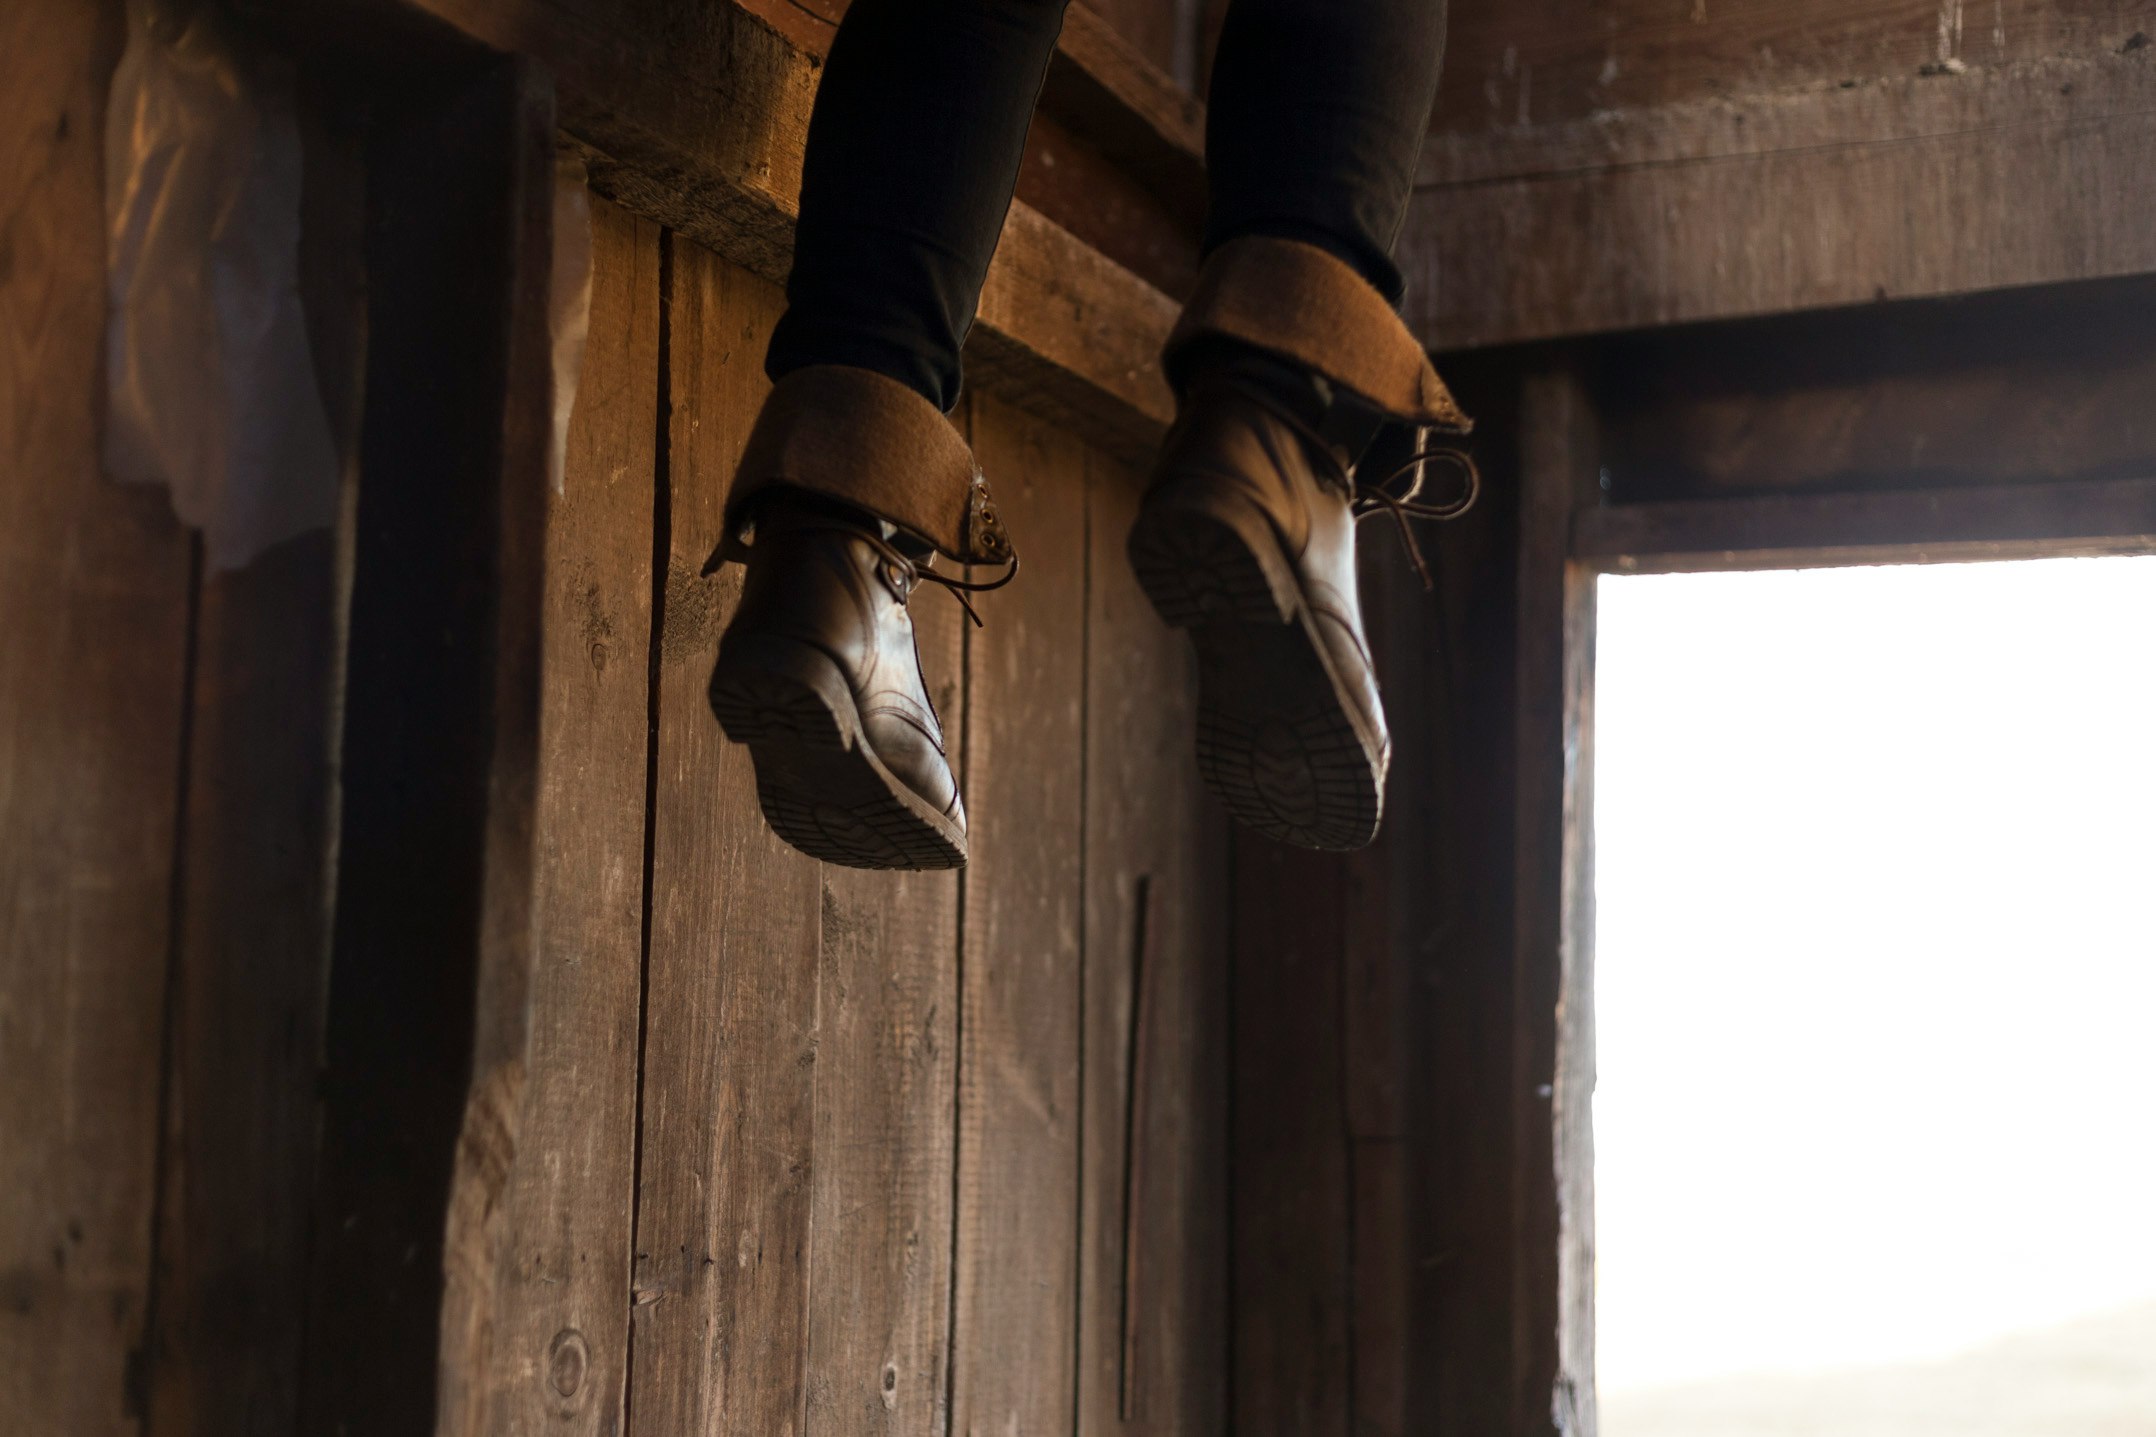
x: 1345, y: 422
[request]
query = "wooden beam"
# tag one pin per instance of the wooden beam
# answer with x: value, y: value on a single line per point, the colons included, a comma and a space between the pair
x: 1537, y: 62
x: 2007, y: 521
x: 1103, y: 87
x: 1920, y: 184
x: 696, y: 114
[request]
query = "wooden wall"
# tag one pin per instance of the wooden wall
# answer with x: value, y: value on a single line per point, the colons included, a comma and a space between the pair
x: 821, y: 1150
x: 786, y: 1148
x: 910, y: 1152
x: 167, y: 747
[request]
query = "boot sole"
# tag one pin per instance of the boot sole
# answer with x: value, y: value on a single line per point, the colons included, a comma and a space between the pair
x: 821, y: 786
x: 1277, y: 736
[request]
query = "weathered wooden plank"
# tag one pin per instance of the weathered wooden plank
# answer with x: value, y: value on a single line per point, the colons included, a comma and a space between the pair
x: 696, y: 114
x: 1153, y: 1208
x: 252, y: 962
x: 728, y: 1098
x: 1387, y: 902
x: 428, y: 1004
x: 238, y: 1165
x: 1445, y: 859
x: 1122, y: 80
x: 1014, y: 1338
x: 2036, y: 384
x: 558, y: 1361
x: 1293, y: 1189
x: 881, y: 1199
x: 1553, y: 1358
x: 2005, y: 521
x: 1146, y: 30
x: 94, y: 585
x: 1548, y: 61
x: 1890, y: 189
x: 1064, y: 174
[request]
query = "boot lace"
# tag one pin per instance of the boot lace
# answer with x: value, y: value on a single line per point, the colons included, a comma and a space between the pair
x: 908, y: 573
x: 1366, y: 497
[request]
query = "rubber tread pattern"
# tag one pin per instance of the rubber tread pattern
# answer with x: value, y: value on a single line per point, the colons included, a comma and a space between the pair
x: 821, y: 786
x: 1276, y: 740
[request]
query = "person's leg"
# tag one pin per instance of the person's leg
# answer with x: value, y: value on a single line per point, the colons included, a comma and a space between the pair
x: 1289, y: 357
x: 1316, y: 121
x: 854, y: 477
x: 913, y: 152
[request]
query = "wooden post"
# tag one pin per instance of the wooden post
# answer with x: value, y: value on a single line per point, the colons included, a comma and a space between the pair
x: 1553, y: 916
x: 431, y: 973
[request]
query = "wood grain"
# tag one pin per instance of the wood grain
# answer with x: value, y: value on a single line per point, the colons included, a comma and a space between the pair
x: 1293, y: 1188
x: 251, y: 967
x: 428, y: 1004
x: 721, y: 1311
x: 1990, y: 522
x: 1383, y: 949
x: 1553, y: 955
x: 1449, y: 662
x: 1899, y: 185
x: 1121, y: 79
x: 886, y: 1070
x: 559, y: 1356
x: 238, y: 1165
x: 1548, y: 61
x: 1019, y: 1122
x: 2017, y: 387
x: 1153, y: 1207
x: 94, y: 587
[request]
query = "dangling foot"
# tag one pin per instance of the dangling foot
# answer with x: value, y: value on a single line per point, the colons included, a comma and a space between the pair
x: 1286, y: 363
x: 819, y: 675
x: 1247, y: 540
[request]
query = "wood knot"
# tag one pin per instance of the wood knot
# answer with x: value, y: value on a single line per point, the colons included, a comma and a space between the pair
x: 568, y: 1360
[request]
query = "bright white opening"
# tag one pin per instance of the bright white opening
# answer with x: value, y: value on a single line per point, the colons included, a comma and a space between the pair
x: 1875, y: 998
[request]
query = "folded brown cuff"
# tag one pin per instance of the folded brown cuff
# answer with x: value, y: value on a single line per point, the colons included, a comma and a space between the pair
x: 1303, y: 304
x: 866, y: 440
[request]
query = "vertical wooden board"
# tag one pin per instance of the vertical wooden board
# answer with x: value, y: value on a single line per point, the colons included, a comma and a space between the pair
x: 727, y: 1109
x: 1384, y: 949
x: 1456, y: 918
x: 1153, y: 1231
x: 94, y: 583
x: 237, y: 1167
x: 1014, y: 1324
x: 428, y: 1018
x: 1552, y: 933
x: 559, y: 1359
x: 1294, y: 1199
x: 880, y: 1220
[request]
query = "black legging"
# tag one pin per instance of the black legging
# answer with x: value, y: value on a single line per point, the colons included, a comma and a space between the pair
x: 1315, y: 122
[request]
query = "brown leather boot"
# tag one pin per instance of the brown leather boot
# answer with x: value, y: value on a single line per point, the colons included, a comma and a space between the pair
x: 1247, y: 537
x: 820, y: 676
x: 849, y: 486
